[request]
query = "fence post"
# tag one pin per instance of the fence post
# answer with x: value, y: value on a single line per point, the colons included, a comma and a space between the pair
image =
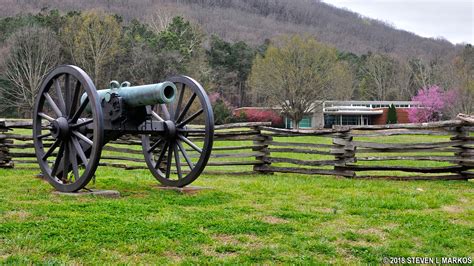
x: 465, y: 154
x: 5, y: 157
x: 344, y: 153
x: 262, y: 142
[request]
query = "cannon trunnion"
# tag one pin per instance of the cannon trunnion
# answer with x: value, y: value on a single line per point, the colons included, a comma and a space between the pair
x: 72, y: 121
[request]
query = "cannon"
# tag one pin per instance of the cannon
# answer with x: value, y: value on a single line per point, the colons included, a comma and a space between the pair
x: 72, y: 122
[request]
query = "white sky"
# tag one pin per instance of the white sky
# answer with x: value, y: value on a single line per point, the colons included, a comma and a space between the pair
x: 450, y: 19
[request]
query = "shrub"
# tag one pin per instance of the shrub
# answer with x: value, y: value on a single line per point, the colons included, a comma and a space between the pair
x: 262, y: 115
x: 223, y: 110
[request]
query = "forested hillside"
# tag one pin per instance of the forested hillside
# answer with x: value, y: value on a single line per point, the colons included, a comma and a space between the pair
x: 253, y: 21
x: 337, y: 54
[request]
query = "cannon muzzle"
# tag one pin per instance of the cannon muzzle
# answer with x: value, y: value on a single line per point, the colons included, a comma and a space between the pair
x: 135, y: 96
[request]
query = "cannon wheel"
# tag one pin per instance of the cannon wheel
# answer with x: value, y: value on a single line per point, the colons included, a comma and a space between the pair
x: 188, y: 145
x: 68, y: 149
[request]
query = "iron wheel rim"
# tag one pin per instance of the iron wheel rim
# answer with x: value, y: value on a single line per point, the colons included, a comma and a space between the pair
x: 69, y: 109
x: 177, y: 144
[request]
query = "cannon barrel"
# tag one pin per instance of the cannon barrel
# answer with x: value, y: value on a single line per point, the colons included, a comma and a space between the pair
x: 143, y: 95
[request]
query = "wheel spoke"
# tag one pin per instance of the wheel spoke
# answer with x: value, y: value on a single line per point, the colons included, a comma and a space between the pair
x: 45, y: 116
x: 65, y: 162
x: 155, y: 115
x: 177, y: 160
x: 190, y: 143
x: 52, y: 104
x: 58, y: 160
x: 185, y: 154
x: 191, y: 118
x: 80, y: 110
x: 180, y: 101
x: 162, y: 154
x: 75, y: 98
x: 62, y: 103
x: 153, y: 147
x: 44, y: 135
x: 67, y: 93
x: 169, y: 161
x: 73, y: 157
x: 51, y: 149
x: 82, y: 137
x: 186, y: 108
x: 79, y: 150
x: 81, y: 124
x: 165, y: 111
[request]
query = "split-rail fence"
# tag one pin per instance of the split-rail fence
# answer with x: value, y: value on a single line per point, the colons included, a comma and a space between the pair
x: 427, y: 151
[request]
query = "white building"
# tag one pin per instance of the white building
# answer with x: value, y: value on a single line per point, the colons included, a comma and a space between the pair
x: 329, y: 113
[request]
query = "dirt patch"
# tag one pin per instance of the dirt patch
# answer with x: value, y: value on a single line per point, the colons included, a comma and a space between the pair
x: 17, y: 215
x: 461, y: 222
x: 327, y: 210
x: 244, y: 240
x: 319, y: 209
x: 389, y: 226
x: 173, y: 256
x: 452, y: 208
x: 347, y: 254
x: 462, y: 206
x: 212, y: 252
x: 463, y: 200
x: 274, y: 220
x: 226, y: 246
x: 372, y: 231
x: 227, y: 239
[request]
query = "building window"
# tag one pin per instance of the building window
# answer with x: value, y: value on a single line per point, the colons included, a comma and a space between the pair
x: 340, y: 120
x: 288, y: 123
x: 329, y: 120
x: 304, y: 123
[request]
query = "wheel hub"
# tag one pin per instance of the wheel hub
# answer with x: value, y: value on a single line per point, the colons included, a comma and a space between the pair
x: 170, y: 129
x: 60, y: 128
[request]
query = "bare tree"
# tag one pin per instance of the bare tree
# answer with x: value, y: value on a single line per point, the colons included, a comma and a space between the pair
x: 464, y: 66
x: 381, y: 77
x: 92, y: 41
x: 32, y: 52
x: 403, y: 81
x: 422, y: 73
x: 159, y: 20
x: 342, y: 83
x: 296, y: 73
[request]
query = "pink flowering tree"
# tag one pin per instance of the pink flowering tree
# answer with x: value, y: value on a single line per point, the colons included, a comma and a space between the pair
x: 433, y: 103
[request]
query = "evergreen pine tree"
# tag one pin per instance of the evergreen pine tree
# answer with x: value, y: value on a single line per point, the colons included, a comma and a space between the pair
x: 392, y: 114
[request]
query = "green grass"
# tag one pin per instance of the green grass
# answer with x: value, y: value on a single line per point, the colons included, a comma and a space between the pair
x: 281, y: 218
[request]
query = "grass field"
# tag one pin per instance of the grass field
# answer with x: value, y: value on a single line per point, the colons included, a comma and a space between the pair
x: 281, y: 218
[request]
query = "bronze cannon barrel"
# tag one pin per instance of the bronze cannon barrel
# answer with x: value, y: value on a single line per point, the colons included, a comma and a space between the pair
x: 143, y: 95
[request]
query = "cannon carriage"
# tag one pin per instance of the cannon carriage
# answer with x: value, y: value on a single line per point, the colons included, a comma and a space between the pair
x: 72, y: 121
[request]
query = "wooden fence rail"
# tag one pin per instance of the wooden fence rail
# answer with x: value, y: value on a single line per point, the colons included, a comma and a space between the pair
x: 427, y: 151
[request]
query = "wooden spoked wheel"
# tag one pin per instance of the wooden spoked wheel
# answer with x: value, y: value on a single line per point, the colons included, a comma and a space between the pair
x: 177, y: 156
x: 67, y: 130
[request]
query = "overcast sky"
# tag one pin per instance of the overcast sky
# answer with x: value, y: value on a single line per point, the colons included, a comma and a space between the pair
x: 450, y: 19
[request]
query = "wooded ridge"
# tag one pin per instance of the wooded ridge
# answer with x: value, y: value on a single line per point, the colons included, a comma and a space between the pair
x: 253, y: 21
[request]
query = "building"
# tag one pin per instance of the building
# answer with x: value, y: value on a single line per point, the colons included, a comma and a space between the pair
x: 361, y: 112
x: 329, y: 113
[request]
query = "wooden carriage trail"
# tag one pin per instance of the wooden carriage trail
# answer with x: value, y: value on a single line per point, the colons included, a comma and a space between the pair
x: 247, y: 148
